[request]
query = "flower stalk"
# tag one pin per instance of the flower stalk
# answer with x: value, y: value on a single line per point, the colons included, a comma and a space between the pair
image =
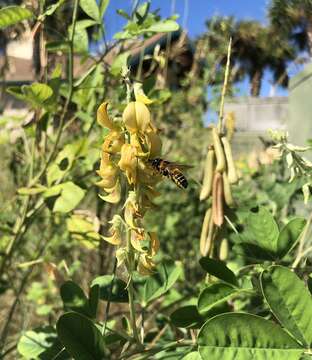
x: 131, y: 142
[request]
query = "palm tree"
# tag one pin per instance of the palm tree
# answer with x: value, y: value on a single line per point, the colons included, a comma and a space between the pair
x: 258, y: 48
x: 293, y: 18
x: 255, y: 49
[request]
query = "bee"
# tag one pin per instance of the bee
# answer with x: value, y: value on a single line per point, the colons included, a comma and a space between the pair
x: 170, y: 170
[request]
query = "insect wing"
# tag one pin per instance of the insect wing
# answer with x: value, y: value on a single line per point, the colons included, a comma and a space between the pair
x: 181, y: 167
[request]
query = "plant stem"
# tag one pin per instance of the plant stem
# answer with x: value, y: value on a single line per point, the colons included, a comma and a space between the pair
x: 147, y: 353
x: 131, y: 289
x: 225, y: 83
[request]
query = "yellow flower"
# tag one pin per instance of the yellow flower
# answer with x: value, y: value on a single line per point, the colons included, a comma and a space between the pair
x: 145, y: 265
x: 115, y: 230
x: 128, y: 162
x: 102, y: 116
x: 153, y: 143
x: 154, y: 243
x: 109, y: 174
x: 113, y: 194
x: 132, y: 211
x: 136, y: 117
x: 113, y: 142
x: 137, y: 237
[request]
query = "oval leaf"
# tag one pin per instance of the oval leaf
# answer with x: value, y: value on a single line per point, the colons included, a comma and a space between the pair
x: 74, y: 298
x: 289, y: 236
x: 70, y: 196
x: 215, y: 295
x: 243, y: 336
x: 114, y: 292
x: 187, y: 317
x: 81, y: 338
x: 218, y: 269
x: 164, y: 26
x: 90, y: 7
x: 194, y: 355
x: 261, y: 234
x: 40, y: 343
x: 289, y: 301
x: 158, y: 284
x: 12, y: 15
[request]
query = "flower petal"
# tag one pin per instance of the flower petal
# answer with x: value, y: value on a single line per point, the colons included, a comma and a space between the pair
x: 102, y: 116
x: 114, y: 195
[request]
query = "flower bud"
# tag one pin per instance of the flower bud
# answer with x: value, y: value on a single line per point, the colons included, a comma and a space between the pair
x: 136, y: 117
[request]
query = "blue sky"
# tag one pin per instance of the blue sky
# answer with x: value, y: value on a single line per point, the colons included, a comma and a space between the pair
x: 193, y: 14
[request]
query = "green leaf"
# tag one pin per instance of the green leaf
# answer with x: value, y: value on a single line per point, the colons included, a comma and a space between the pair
x: 40, y: 343
x: 103, y: 6
x: 242, y: 336
x: 122, y: 13
x: 163, y: 26
x: 90, y: 7
x: 215, y: 295
x: 32, y: 191
x: 289, y: 236
x: 187, y: 317
x: 115, y: 293
x: 260, y: 236
x: 81, y: 41
x: 289, y: 301
x: 84, y: 24
x: 218, y: 269
x: 54, y: 46
x: 309, y: 283
x: 158, y: 284
x: 194, y: 355
x: 36, y: 94
x: 65, y: 159
x: 120, y: 61
x: 81, y: 338
x: 12, y: 15
x: 69, y: 196
x: 52, y: 8
x: 74, y: 298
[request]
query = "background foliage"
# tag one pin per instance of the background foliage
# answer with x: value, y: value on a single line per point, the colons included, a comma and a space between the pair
x: 61, y: 296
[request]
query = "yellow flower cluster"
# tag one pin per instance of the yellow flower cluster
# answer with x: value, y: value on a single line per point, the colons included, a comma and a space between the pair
x: 128, y: 146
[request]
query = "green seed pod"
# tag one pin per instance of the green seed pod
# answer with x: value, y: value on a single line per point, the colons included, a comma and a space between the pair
x: 224, y: 249
x: 217, y: 199
x: 227, y: 190
x: 210, y: 238
x: 208, y: 175
x: 218, y: 150
x: 232, y: 174
x: 204, y: 233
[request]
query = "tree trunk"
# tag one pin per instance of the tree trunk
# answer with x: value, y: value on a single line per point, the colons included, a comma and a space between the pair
x: 256, y: 80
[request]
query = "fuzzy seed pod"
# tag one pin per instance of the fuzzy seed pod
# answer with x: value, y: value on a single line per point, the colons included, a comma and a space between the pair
x: 218, y: 150
x: 228, y: 198
x: 210, y: 237
x: 217, y: 200
x: 224, y: 249
x: 208, y: 175
x: 232, y: 175
x: 204, y: 233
